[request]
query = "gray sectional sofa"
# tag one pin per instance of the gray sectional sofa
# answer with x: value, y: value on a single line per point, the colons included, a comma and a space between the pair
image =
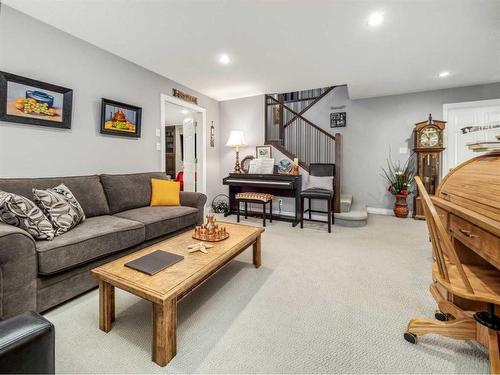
x: 37, y: 275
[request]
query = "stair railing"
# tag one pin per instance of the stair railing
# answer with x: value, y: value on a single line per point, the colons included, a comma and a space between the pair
x: 298, y: 137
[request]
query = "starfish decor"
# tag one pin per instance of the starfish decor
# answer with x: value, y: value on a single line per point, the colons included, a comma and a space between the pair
x: 200, y: 246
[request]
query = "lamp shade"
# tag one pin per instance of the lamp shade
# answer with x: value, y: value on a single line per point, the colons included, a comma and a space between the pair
x: 236, y: 138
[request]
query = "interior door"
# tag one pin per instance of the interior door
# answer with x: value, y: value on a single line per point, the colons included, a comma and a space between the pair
x: 469, y: 123
x: 189, y: 162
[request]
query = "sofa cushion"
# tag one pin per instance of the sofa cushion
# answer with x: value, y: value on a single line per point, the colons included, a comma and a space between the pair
x: 61, y: 207
x: 95, y: 237
x: 162, y: 220
x: 127, y: 191
x: 87, y: 190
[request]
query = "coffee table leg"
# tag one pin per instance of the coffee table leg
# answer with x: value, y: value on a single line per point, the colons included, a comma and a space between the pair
x: 257, y: 249
x: 164, y: 331
x: 106, y: 305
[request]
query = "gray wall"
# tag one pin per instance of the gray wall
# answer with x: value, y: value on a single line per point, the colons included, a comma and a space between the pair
x: 374, y: 127
x: 246, y: 114
x: 36, y: 50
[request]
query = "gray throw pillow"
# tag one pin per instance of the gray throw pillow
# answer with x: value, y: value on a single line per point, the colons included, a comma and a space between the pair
x: 61, y: 207
x: 21, y: 212
x: 323, y: 182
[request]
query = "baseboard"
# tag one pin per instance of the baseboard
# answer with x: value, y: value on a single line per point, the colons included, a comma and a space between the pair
x: 288, y: 213
x: 383, y: 211
x: 371, y: 210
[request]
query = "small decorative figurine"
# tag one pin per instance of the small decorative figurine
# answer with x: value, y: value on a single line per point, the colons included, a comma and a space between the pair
x: 211, y: 231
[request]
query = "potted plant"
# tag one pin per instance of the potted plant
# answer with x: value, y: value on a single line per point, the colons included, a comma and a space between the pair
x: 400, y: 179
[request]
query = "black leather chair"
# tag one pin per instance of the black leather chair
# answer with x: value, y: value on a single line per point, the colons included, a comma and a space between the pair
x: 320, y: 170
x: 27, y: 345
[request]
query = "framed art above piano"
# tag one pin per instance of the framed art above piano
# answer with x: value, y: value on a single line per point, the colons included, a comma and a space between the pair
x: 429, y: 146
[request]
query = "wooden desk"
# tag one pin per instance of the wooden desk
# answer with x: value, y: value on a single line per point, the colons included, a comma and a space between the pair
x: 468, y: 202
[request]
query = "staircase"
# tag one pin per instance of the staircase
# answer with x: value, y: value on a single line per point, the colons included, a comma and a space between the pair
x: 295, y: 136
x: 351, y: 214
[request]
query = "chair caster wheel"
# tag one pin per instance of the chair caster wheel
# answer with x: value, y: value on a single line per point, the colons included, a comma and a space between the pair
x: 410, y: 337
x: 442, y: 317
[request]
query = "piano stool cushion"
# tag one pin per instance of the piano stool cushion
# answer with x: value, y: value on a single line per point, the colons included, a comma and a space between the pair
x: 255, y: 196
x: 317, y: 193
x: 323, y: 182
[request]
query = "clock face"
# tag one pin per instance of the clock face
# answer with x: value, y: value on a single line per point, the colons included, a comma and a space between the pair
x: 429, y: 137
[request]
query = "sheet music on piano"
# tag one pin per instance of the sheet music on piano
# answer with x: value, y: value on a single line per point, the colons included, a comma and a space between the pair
x: 261, y: 166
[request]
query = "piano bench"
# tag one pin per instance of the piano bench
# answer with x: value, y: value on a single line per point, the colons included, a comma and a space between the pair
x: 261, y: 198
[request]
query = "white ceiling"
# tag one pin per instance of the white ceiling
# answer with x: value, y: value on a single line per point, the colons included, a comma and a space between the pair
x: 279, y: 46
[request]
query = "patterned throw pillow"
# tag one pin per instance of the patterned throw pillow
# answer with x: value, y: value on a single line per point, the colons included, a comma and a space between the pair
x: 23, y: 213
x: 61, y: 207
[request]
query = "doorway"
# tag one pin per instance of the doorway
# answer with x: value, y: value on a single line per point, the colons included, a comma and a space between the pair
x: 468, y: 122
x: 183, y: 149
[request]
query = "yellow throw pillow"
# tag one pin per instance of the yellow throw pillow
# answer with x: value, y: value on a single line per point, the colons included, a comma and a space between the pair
x: 165, y: 193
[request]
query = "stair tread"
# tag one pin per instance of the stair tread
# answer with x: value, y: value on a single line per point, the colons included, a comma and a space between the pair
x: 358, y: 212
x: 345, y: 202
x: 346, y: 197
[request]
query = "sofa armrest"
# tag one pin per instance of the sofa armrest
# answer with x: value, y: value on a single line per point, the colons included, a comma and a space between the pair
x: 195, y: 200
x: 27, y: 345
x: 18, y: 271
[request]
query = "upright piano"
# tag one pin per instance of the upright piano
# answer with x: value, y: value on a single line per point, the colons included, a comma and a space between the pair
x: 276, y: 184
x: 468, y: 202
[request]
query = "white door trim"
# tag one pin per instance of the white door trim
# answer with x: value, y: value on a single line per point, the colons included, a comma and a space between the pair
x: 446, y: 108
x: 164, y: 99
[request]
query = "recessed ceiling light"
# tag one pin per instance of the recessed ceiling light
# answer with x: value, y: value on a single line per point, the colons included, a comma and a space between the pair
x: 444, y: 74
x: 375, y: 19
x: 185, y: 111
x: 224, y: 59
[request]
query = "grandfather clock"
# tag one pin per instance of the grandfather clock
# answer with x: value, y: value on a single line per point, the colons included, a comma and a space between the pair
x: 428, y: 146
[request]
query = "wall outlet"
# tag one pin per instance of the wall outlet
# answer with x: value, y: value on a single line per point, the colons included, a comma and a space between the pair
x: 403, y: 150
x: 158, y: 132
x: 158, y: 146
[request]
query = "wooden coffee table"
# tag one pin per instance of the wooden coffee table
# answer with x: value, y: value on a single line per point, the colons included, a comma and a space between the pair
x: 169, y: 286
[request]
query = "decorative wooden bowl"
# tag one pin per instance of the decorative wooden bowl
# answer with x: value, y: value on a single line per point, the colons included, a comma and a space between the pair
x: 205, y: 238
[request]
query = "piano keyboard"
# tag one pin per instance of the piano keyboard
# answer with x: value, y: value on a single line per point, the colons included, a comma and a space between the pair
x: 262, y: 182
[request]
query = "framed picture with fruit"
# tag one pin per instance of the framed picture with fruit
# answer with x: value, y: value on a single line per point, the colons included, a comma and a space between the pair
x: 27, y: 101
x: 120, y: 119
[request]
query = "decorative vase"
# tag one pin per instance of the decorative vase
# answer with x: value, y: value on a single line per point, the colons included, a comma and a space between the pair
x: 210, y: 224
x: 401, y: 207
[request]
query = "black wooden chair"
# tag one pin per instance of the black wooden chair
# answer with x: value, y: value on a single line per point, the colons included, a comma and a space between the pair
x: 319, y: 170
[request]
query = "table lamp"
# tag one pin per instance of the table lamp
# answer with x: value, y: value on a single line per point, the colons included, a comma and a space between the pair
x: 236, y: 139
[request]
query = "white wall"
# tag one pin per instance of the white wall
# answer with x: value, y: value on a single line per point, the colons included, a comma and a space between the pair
x: 245, y: 114
x: 36, y: 50
x: 374, y: 126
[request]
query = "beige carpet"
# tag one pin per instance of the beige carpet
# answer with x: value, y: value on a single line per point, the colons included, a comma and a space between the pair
x: 321, y: 303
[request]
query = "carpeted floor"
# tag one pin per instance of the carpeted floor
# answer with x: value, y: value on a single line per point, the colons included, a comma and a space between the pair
x: 321, y: 303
